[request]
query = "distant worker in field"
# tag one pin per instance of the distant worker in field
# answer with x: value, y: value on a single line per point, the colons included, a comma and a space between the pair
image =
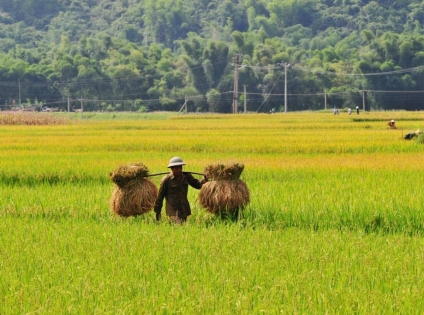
x: 349, y: 111
x: 335, y: 111
x: 357, y: 110
x: 174, y: 189
x: 412, y: 135
x: 392, y: 124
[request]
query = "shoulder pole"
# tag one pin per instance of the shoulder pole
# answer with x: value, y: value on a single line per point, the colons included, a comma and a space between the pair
x: 164, y: 173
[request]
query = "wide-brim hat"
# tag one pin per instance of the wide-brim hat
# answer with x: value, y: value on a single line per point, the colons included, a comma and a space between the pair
x: 176, y: 161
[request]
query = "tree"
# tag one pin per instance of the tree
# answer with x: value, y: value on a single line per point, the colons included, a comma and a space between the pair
x: 213, y: 97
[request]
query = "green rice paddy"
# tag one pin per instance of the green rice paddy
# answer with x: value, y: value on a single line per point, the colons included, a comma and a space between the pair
x: 335, y: 224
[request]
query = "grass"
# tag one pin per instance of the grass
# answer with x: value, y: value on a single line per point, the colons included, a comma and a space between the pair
x: 335, y: 224
x: 131, y: 267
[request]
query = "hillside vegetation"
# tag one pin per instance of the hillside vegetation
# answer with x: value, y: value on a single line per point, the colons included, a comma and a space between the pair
x: 135, y: 55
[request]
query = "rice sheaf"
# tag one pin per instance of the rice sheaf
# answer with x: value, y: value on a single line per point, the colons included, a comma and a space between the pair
x: 134, y: 194
x: 225, y: 192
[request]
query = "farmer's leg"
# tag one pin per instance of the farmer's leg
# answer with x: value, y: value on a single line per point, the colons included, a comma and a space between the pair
x: 177, y: 220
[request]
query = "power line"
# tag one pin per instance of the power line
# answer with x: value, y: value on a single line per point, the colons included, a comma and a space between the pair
x: 401, y: 71
x: 305, y: 69
x: 127, y: 79
x: 269, y: 93
x: 411, y: 95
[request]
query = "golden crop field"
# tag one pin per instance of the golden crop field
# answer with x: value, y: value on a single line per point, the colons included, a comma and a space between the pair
x: 335, y: 222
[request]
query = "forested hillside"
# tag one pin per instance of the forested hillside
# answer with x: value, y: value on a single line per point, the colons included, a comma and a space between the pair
x: 145, y: 55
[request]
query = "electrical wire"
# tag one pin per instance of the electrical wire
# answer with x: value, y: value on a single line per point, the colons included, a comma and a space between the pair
x: 126, y: 79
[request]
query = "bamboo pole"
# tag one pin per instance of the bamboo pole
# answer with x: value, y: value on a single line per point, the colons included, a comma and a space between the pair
x: 164, y: 173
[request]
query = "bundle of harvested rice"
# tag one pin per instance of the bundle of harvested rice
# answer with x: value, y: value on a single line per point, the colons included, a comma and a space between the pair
x: 228, y: 171
x: 125, y: 174
x: 135, y: 194
x: 225, y: 192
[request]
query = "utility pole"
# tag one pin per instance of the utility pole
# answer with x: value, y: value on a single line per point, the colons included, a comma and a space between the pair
x: 325, y: 99
x: 237, y: 60
x: 19, y: 81
x: 82, y: 110
x: 184, y: 105
x: 286, y: 65
x: 245, y: 99
x: 69, y: 107
x: 285, y: 87
x: 363, y: 100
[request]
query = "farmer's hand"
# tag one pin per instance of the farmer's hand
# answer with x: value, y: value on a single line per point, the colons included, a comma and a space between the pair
x: 204, y: 179
x: 158, y: 216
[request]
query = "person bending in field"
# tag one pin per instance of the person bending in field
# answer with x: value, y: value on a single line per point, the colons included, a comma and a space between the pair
x: 411, y: 135
x: 392, y: 124
x: 174, y: 189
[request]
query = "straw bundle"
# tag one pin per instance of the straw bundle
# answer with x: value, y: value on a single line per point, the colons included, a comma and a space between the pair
x: 228, y: 171
x: 134, y: 194
x: 225, y: 193
x: 125, y: 174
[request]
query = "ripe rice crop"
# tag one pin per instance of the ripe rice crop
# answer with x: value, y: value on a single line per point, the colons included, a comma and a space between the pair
x: 19, y: 118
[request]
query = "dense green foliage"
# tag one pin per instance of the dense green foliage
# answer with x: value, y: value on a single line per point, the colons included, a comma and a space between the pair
x: 151, y: 55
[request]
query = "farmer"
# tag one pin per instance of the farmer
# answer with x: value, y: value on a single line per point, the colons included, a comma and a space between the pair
x: 392, y: 124
x: 174, y: 189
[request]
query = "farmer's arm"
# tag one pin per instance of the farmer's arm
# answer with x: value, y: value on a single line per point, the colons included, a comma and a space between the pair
x: 195, y: 183
x: 161, y: 195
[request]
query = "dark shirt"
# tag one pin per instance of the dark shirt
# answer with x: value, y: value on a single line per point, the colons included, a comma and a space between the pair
x: 175, y: 191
